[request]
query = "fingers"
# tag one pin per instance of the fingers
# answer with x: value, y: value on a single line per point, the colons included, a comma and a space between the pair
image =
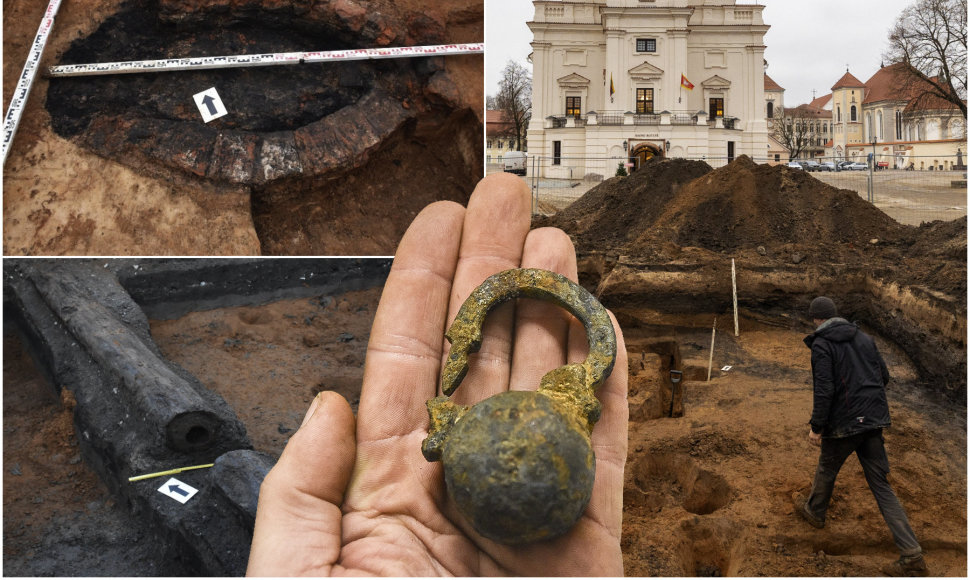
x: 542, y: 329
x: 610, y: 436
x: 298, y: 521
x: 496, y: 224
x: 404, y: 352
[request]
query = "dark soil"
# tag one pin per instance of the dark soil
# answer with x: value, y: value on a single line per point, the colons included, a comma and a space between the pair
x: 59, y: 519
x: 769, y: 214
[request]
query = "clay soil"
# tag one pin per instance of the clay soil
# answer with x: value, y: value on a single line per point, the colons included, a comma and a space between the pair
x: 62, y: 198
x: 706, y: 493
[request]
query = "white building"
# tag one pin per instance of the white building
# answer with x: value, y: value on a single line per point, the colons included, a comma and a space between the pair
x: 618, y: 79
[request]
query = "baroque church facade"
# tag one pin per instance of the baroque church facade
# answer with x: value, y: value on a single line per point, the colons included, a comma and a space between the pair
x: 628, y: 80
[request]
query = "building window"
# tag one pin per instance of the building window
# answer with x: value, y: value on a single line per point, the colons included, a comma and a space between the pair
x: 717, y: 107
x: 644, y: 101
x: 556, y: 152
x: 500, y: 145
x: 573, y: 106
x: 899, y: 125
x: 838, y: 114
x: 852, y: 114
x: 489, y: 144
x: 777, y: 157
x: 771, y: 110
x: 646, y: 45
x: 878, y: 132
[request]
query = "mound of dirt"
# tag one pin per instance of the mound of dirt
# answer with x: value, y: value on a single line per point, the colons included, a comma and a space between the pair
x: 743, y: 205
x: 603, y: 219
x: 672, y: 208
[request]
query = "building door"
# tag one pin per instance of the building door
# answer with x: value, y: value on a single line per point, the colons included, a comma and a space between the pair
x: 643, y: 153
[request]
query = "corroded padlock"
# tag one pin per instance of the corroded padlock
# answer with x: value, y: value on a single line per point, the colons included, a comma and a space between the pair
x: 520, y: 465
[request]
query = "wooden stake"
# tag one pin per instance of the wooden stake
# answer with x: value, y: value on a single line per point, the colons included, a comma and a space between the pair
x: 734, y: 294
x: 710, y: 360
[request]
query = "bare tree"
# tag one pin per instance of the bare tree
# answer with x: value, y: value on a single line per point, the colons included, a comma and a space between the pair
x: 515, y: 99
x: 792, y: 131
x: 931, y: 37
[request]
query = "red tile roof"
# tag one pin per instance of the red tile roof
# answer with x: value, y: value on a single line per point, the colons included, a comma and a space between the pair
x: 771, y: 85
x: 820, y: 102
x: 848, y: 80
x: 885, y: 85
x: 495, y: 116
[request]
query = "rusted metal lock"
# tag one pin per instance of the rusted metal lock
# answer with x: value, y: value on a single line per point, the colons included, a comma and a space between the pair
x: 519, y: 465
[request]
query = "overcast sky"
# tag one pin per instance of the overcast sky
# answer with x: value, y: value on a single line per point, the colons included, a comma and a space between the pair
x: 808, y: 46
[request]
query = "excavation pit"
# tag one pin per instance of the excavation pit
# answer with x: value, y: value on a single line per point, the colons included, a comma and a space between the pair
x: 324, y: 150
x: 725, y: 466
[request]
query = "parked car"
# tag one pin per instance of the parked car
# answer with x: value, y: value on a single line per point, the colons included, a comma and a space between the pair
x: 515, y: 162
x: 794, y: 165
x: 843, y: 165
x: 856, y: 166
x: 827, y: 166
x: 810, y: 165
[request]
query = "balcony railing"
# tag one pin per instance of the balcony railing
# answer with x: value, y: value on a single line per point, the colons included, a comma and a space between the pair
x: 609, y: 117
x: 683, y: 118
x: 628, y: 118
x: 646, y: 119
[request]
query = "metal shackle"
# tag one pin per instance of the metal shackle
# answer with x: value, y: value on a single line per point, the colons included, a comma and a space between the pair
x: 519, y: 465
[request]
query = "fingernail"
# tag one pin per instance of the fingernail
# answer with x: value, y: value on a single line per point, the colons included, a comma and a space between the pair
x: 313, y: 407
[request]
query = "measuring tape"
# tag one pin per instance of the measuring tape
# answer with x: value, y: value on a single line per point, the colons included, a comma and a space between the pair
x: 270, y: 59
x: 19, y: 99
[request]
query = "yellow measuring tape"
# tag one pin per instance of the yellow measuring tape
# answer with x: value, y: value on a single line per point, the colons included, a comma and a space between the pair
x: 169, y: 472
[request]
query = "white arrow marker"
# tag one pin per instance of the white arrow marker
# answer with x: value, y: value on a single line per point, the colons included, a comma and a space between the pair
x: 209, y: 104
x: 177, y: 490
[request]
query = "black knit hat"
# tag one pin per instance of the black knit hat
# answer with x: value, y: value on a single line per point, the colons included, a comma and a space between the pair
x: 822, y: 308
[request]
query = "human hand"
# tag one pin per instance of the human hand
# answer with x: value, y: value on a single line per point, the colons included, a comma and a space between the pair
x: 814, y: 438
x: 340, y: 502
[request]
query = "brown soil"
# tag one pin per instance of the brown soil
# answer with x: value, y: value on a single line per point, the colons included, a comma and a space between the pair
x: 289, y: 350
x: 766, y: 215
x: 61, y: 198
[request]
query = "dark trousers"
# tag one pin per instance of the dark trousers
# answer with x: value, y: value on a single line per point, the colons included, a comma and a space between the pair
x: 868, y: 447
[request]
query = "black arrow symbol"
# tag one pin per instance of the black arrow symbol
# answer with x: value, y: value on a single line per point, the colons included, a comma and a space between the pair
x: 176, y: 489
x: 209, y: 102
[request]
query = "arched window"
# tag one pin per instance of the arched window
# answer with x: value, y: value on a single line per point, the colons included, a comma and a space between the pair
x: 878, y: 125
x: 869, y: 131
x: 838, y: 114
x: 852, y: 114
x: 771, y: 110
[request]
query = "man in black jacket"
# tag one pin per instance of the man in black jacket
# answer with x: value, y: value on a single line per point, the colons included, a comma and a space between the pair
x: 849, y: 413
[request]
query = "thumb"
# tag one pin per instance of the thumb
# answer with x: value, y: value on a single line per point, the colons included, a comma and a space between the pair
x: 298, y: 519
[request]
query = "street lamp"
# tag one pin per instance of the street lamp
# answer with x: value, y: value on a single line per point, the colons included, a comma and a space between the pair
x: 626, y: 146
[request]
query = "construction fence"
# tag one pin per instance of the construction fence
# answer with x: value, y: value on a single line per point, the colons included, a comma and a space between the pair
x: 911, y: 196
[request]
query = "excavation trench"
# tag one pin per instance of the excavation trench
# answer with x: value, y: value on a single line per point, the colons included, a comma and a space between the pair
x: 926, y: 325
x: 707, y: 471
x: 335, y: 137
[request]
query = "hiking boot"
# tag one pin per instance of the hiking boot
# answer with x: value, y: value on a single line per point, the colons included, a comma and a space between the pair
x: 801, y: 508
x: 907, y: 566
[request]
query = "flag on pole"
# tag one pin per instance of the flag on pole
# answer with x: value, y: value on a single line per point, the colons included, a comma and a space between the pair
x: 686, y: 83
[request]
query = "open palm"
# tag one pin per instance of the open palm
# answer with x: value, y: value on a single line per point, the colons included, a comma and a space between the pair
x: 357, y: 497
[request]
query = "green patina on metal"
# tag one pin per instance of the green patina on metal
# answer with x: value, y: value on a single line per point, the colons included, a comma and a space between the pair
x: 520, y: 465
